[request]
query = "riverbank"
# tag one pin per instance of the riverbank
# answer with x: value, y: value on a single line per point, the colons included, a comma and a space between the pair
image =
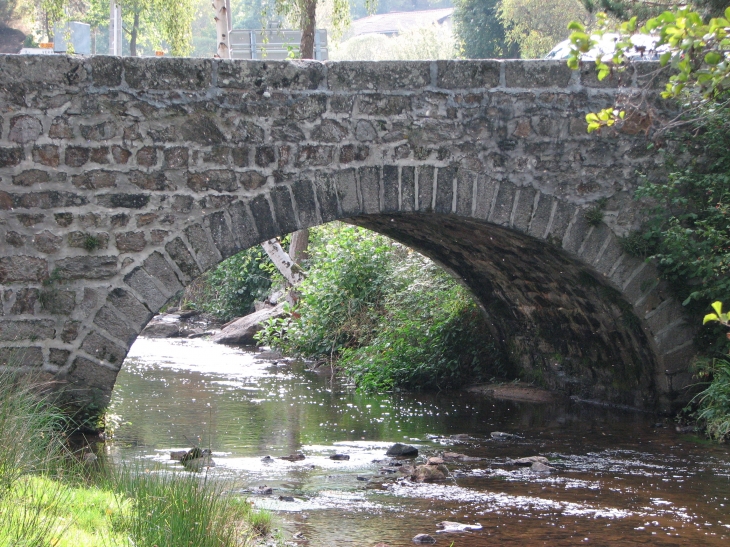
x: 55, y: 496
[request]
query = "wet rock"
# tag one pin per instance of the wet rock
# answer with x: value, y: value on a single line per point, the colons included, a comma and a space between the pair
x: 501, y: 436
x: 539, y: 467
x: 435, y: 461
x: 262, y: 490
x: 424, y: 539
x: 293, y: 457
x: 460, y: 437
x: 177, y: 455
x: 387, y: 470
x: 399, y: 449
x: 527, y: 462
x: 429, y: 473
x: 340, y: 457
x: 241, y: 332
x: 267, y: 459
x: 362, y: 478
x: 286, y: 498
x: 161, y: 329
x: 685, y: 429
x: 457, y: 457
x: 449, y: 527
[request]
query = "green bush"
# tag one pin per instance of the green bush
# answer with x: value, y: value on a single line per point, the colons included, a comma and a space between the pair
x: 230, y: 289
x: 388, y: 316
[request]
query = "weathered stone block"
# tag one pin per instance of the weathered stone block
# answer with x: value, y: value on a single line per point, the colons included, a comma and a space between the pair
x: 15, y: 239
x: 326, y: 186
x: 502, y: 209
x: 219, y: 180
x: 537, y: 73
x: 240, y: 156
x: 329, y: 131
x: 124, y: 201
x: 391, y: 188
x: 86, y: 267
x: 130, y: 242
x: 243, y: 225
x: 120, y: 155
x: 284, y: 208
x: 384, y: 105
x: 21, y: 357
x: 144, y: 285
x: 76, y: 156
x: 564, y: 213
x: 104, y: 349
x: 47, y: 242
x: 64, y: 219
x: 57, y: 302
x: 445, y: 177
x: 352, y: 152
x: 24, y: 129
x: 408, y: 189
x: 261, y: 211
x: 147, y: 156
x: 61, y: 129
x: 576, y: 234
x: 426, y: 180
x: 94, y: 180
x: 167, y: 73
x: 201, y: 129
x: 306, y: 203
x: 27, y: 329
x: 10, y: 157
x: 205, y: 251
x: 522, y: 211
x: 221, y: 233
x: 314, y: 155
x: 58, y: 357
x: 385, y: 75
x: 47, y: 154
x: 88, y: 241
x: 106, y: 71
x: 365, y: 131
x: 263, y: 75
x: 468, y: 74
x: 134, y: 310
x: 99, y: 132
x: 465, y: 181
x: 370, y: 188
x: 284, y: 130
x: 70, y: 331
x: 22, y: 268
x: 157, y: 266
x: 176, y: 157
x: 25, y: 300
x: 109, y: 319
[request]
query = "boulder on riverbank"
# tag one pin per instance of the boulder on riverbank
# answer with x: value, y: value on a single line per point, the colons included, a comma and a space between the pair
x: 178, y: 324
x: 241, y: 331
x: 430, y: 473
x: 402, y: 450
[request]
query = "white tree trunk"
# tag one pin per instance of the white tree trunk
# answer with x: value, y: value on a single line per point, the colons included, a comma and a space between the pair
x: 221, y: 28
x: 299, y: 244
x: 288, y: 268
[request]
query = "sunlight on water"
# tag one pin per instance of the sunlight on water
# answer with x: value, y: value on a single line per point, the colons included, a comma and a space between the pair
x: 616, y: 478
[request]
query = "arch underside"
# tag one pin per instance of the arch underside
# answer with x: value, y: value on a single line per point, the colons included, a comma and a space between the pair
x: 122, y: 180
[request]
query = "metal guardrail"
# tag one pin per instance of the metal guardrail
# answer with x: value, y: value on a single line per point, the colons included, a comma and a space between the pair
x: 274, y: 44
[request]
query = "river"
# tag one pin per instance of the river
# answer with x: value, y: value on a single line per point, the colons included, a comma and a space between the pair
x: 619, y: 477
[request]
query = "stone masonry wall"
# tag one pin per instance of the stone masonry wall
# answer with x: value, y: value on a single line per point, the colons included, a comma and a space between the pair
x: 122, y: 179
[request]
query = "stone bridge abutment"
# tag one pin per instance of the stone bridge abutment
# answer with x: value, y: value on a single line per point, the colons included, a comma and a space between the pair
x: 123, y: 179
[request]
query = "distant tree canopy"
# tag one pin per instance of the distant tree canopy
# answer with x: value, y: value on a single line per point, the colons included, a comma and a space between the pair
x: 7, y: 11
x: 535, y: 26
x: 480, y: 31
x: 645, y: 9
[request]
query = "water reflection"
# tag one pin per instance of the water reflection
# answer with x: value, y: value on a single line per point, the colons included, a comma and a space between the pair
x: 618, y: 479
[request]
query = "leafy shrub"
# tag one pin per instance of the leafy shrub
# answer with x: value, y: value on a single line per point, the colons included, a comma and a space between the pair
x: 390, y: 316
x: 230, y: 289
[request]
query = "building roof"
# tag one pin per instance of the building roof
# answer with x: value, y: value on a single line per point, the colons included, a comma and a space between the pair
x: 393, y: 23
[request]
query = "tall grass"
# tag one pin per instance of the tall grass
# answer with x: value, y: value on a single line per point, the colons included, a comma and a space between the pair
x: 183, y: 509
x: 30, y: 443
x: 713, y: 411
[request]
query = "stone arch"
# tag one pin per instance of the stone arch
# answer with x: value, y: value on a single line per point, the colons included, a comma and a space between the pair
x: 124, y: 179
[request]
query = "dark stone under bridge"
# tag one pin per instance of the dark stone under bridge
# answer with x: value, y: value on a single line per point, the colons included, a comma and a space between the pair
x: 123, y: 179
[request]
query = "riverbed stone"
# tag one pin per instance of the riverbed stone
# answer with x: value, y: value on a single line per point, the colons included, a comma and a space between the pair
x: 400, y: 449
x: 241, y: 332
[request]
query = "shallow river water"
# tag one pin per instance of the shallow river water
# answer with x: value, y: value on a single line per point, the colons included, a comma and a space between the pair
x: 618, y: 478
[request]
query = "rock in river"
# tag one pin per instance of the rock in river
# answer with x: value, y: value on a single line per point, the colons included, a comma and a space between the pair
x: 241, y: 331
x: 429, y: 473
x: 528, y: 461
x: 339, y: 457
x: 424, y: 539
x: 293, y: 457
x: 399, y: 449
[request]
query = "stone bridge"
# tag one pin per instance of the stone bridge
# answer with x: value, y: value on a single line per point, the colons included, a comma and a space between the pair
x: 123, y: 179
